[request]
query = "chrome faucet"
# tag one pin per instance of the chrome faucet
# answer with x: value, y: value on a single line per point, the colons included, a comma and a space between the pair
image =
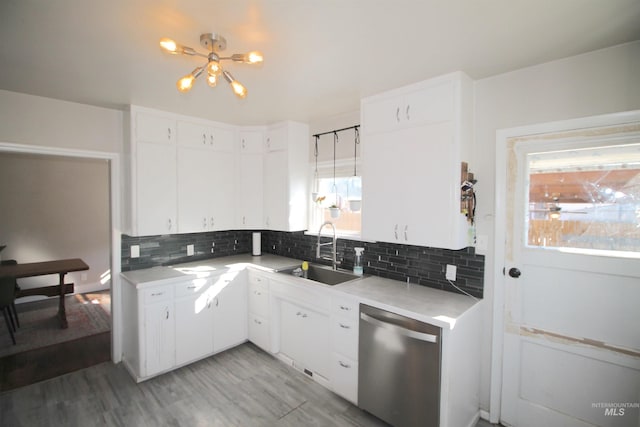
x: 333, y: 259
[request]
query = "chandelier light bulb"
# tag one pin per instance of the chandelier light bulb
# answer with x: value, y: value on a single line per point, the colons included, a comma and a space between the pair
x: 186, y: 83
x: 169, y: 45
x: 214, y: 67
x: 239, y: 89
x: 254, y: 57
x: 212, y: 80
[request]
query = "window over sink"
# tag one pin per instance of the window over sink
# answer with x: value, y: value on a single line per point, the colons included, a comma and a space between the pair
x: 337, y: 200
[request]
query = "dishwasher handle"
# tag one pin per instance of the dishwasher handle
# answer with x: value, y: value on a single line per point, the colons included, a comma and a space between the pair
x: 399, y: 329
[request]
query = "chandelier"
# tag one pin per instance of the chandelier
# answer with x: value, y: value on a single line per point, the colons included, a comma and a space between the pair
x: 214, y: 43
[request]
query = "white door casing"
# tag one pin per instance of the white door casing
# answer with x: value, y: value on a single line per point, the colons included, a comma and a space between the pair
x: 566, y: 333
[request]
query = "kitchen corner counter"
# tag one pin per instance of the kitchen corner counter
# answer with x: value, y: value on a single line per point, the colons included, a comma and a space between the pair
x: 208, y: 267
x: 422, y: 303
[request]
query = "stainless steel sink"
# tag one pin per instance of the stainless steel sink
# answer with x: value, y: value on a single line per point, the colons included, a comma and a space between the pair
x: 323, y: 274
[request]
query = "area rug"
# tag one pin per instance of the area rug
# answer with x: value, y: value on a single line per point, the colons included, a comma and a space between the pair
x: 87, y: 314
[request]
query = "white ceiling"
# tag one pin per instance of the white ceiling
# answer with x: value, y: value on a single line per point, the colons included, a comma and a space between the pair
x: 322, y: 56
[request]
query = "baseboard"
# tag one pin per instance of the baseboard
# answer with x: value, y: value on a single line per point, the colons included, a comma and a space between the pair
x: 92, y: 287
x: 484, y: 415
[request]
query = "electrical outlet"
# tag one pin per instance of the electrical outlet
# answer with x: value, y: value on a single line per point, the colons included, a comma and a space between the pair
x: 451, y: 272
x: 135, y: 251
x: 190, y: 250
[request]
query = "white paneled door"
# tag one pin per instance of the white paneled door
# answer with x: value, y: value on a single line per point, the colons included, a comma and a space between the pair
x: 571, y: 319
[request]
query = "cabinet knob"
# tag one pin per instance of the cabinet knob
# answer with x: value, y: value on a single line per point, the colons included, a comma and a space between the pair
x: 343, y: 326
x: 342, y: 307
x: 257, y: 321
x: 406, y: 113
x: 344, y: 365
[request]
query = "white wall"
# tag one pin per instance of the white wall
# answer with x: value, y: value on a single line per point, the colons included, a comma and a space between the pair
x: 600, y: 82
x: 344, y: 148
x: 65, y: 213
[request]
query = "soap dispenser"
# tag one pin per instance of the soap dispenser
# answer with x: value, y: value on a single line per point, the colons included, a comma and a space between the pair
x: 357, y: 265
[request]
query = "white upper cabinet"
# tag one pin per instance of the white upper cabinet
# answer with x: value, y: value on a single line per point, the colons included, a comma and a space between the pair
x: 152, y: 173
x: 286, y: 177
x: 249, y: 202
x: 412, y: 156
x: 205, y: 171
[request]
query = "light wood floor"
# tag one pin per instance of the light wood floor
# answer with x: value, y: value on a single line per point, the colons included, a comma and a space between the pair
x: 240, y: 387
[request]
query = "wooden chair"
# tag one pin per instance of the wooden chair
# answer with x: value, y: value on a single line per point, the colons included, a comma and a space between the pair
x: 7, y: 300
x: 17, y: 289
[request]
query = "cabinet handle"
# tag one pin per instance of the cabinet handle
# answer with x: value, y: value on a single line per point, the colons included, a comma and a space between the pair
x: 268, y: 142
x: 167, y: 312
x: 217, y: 301
x: 304, y: 315
x: 344, y: 365
x: 267, y: 221
x: 406, y: 113
x: 212, y: 222
x: 211, y: 139
x: 157, y: 294
x: 169, y: 225
x: 298, y: 313
x: 344, y: 326
x: 395, y: 231
x: 244, y: 220
x: 204, y: 223
x: 243, y: 144
x: 398, y: 115
x: 208, y: 303
x: 169, y: 133
x: 204, y: 138
x: 345, y: 308
x: 405, y: 232
x: 257, y: 292
x: 191, y: 287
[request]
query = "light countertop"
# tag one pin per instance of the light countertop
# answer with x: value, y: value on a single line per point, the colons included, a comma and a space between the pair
x: 426, y: 304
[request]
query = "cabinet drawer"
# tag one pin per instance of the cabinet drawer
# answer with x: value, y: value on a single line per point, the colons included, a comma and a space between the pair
x: 259, y: 298
x: 259, y: 331
x: 257, y: 279
x: 345, y: 306
x: 344, y: 336
x: 157, y: 294
x: 190, y: 287
x: 344, y: 377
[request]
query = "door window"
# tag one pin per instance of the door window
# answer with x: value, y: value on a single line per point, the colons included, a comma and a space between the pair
x: 585, y: 200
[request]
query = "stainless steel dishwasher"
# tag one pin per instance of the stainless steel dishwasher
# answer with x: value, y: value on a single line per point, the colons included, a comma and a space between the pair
x: 399, y: 368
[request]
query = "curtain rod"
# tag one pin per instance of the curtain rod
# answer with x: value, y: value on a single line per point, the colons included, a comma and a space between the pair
x: 337, y: 130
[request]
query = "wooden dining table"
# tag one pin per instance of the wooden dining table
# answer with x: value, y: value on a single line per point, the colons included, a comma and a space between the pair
x: 60, y: 267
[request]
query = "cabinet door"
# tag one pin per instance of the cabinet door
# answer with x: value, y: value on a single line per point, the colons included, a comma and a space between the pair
x: 292, y: 334
x: 249, y: 212
x: 151, y: 128
x: 156, y: 188
x: 194, y: 320
x: 276, y: 191
x: 431, y: 104
x: 344, y: 377
x: 159, y: 338
x: 259, y: 331
x: 195, y: 194
x: 221, y: 186
x: 194, y: 135
x: 276, y: 138
x: 381, y: 175
x: 383, y: 114
x: 251, y: 142
x: 230, y: 311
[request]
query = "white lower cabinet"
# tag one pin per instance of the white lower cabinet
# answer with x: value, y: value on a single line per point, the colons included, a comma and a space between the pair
x: 259, y: 310
x: 305, y: 337
x: 229, y: 310
x: 194, y: 316
x: 344, y: 347
x: 158, y: 329
x: 183, y: 321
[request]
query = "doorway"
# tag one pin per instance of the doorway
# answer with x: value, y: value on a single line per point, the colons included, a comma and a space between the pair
x: 567, y: 327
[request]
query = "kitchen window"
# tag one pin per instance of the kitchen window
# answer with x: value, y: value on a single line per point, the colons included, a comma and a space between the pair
x: 337, y: 200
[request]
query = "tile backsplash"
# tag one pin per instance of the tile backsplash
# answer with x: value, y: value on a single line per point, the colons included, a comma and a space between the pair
x: 420, y: 265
